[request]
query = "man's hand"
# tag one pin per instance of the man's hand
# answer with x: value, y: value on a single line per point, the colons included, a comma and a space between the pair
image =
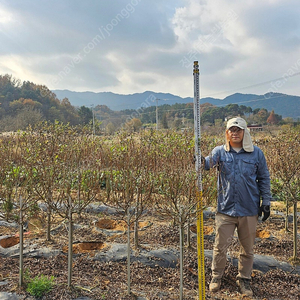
x: 202, y: 159
x: 264, y: 210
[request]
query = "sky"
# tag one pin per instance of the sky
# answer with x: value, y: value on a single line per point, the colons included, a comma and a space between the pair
x: 132, y: 46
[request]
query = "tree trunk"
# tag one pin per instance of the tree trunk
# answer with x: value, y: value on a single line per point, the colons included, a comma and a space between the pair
x: 136, y: 223
x: 128, y: 253
x: 49, y: 212
x: 136, y: 234
x: 287, y: 216
x: 181, y: 239
x: 48, y: 223
x: 188, y: 234
x: 295, y: 231
x: 70, y: 249
x: 21, y: 243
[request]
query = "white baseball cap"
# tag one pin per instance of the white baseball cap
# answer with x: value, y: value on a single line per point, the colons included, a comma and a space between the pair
x: 238, y: 122
x: 241, y: 123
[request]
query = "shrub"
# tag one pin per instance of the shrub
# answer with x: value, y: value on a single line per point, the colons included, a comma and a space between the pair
x: 40, y: 285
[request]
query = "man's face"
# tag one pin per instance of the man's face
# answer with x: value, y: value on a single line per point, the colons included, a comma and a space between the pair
x: 235, y: 134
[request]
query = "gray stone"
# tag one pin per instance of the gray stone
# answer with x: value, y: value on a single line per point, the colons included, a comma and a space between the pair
x: 43, y: 206
x: 263, y: 263
x: 7, y: 224
x: 97, y: 209
x: 29, y: 251
x: 162, y: 257
x: 8, y: 296
x: 117, y: 252
x: 42, y: 252
x: 282, y: 215
x: 167, y: 258
x: 110, y: 232
x: 208, y: 213
x: 3, y: 283
x: 94, y: 208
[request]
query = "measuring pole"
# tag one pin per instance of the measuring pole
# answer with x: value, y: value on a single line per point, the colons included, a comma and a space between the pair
x: 200, y: 235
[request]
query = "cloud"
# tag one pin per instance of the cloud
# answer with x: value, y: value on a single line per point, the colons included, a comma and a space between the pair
x: 130, y: 46
x: 275, y: 25
x: 239, y: 43
x: 91, y: 32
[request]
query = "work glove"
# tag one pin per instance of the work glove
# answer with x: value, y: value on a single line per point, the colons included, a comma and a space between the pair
x: 264, y: 210
x: 202, y: 159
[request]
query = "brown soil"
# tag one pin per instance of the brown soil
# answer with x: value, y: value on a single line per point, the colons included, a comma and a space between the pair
x: 118, y: 225
x: 111, y: 224
x: 107, y: 280
x: 9, y: 241
x: 262, y: 233
x: 206, y: 229
x: 85, y: 247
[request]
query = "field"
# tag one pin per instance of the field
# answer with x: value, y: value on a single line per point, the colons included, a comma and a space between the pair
x: 56, y: 176
x: 96, y: 233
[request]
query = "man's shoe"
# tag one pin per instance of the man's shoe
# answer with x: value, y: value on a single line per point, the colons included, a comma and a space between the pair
x: 214, y: 285
x: 244, y: 285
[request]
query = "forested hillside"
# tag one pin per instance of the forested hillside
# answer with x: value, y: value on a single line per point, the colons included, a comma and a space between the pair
x: 27, y: 103
x: 282, y: 104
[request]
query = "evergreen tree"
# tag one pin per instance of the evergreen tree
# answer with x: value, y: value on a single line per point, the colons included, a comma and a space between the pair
x: 272, y: 119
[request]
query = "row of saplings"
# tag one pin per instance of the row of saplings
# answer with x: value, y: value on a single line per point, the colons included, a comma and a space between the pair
x: 67, y: 169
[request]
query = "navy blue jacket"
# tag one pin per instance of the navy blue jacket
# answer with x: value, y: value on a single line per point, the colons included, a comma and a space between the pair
x: 243, y: 180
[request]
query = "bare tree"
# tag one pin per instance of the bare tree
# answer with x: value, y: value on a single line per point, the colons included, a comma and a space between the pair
x: 47, y: 142
x: 127, y: 183
x: 175, y: 191
x: 284, y: 164
x: 79, y: 182
x: 17, y: 186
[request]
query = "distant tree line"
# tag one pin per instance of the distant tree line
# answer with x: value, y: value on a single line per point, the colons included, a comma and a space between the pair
x: 24, y: 104
x: 259, y: 115
x: 180, y: 116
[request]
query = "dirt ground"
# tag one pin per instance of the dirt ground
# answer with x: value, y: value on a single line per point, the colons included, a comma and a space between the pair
x: 108, y: 280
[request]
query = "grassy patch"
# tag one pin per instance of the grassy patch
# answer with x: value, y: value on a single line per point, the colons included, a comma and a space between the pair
x: 40, y: 285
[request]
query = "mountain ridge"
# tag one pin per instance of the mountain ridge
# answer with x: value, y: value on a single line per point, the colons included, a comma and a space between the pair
x: 282, y: 104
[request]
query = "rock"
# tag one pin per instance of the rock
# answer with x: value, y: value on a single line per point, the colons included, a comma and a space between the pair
x: 117, y: 252
x: 167, y: 258
x: 8, y: 296
x: 29, y: 251
x: 7, y: 224
x: 162, y: 257
x: 282, y: 215
x: 208, y: 213
x: 262, y: 263
x: 43, y: 207
x: 93, y: 208
x: 96, y: 209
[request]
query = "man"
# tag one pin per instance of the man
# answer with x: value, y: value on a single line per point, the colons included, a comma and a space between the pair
x: 243, y: 179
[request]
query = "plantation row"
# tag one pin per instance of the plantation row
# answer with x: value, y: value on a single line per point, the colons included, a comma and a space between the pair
x: 68, y: 169
x: 65, y: 169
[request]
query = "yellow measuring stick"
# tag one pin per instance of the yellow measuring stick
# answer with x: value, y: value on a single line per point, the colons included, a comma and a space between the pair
x: 200, y: 246
x: 200, y: 235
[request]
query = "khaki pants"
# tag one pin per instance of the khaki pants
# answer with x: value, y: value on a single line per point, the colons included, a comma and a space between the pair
x: 246, y: 229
